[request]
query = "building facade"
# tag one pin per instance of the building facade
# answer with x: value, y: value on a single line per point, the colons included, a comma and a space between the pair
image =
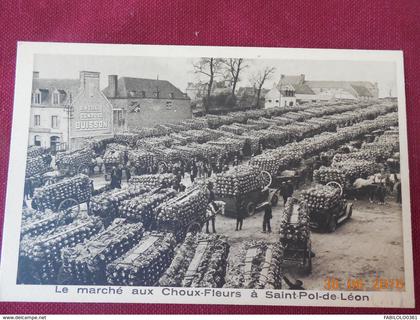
x: 315, y: 91
x: 65, y: 112
x: 49, y: 122
x: 284, y: 96
x: 139, y: 102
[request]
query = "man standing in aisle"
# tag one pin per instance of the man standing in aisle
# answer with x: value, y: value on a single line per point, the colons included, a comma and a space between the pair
x: 212, y: 208
x: 114, y: 178
x: 240, y: 214
x: 286, y: 190
x: 99, y: 163
x: 119, y: 175
x: 268, y: 214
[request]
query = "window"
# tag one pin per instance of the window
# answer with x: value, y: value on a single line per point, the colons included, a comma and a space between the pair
x: 172, y: 95
x: 291, y: 103
x: 54, y: 122
x: 143, y: 94
x: 37, y: 98
x: 37, y: 141
x: 156, y: 93
x: 270, y: 101
x: 56, y: 98
x: 168, y: 105
x: 276, y: 101
x: 37, y: 120
x: 119, y: 119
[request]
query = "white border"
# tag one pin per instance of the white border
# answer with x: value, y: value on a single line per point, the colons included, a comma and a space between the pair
x: 9, y: 291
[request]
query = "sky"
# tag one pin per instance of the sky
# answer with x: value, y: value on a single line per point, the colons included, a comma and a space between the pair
x: 179, y: 71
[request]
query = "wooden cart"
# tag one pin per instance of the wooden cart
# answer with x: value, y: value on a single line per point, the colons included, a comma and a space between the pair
x: 297, y: 253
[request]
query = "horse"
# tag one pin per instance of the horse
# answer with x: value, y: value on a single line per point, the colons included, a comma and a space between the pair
x: 365, y: 186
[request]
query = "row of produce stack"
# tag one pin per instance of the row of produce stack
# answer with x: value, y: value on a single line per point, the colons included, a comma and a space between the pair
x: 289, y: 155
x: 243, y: 132
x: 131, y: 235
x: 347, y: 167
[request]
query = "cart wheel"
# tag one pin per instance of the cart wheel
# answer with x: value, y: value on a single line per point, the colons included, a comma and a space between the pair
x: 335, y: 184
x: 250, y: 208
x: 165, y: 165
x: 70, y: 208
x: 266, y: 178
x: 332, y: 224
x: 274, y: 200
x: 194, y: 227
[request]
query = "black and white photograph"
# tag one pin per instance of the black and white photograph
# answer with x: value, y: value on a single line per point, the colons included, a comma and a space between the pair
x: 276, y: 172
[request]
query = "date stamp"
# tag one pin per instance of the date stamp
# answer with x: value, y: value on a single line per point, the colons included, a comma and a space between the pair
x: 374, y: 283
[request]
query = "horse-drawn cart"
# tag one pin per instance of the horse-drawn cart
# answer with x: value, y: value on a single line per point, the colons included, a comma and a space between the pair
x: 295, y: 236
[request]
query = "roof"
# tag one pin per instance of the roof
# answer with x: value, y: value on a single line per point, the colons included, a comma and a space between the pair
x: 360, y: 88
x: 287, y: 79
x: 64, y: 86
x: 302, y: 89
x: 145, y: 88
x: 362, y: 91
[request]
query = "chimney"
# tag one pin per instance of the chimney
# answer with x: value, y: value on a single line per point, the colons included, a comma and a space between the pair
x: 89, y: 81
x: 35, y: 75
x: 112, y: 86
x: 302, y: 78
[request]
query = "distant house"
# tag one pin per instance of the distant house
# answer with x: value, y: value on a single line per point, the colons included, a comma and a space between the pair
x: 349, y: 90
x: 140, y: 102
x: 303, y: 92
x: 65, y: 112
x: 285, y: 96
x: 313, y: 91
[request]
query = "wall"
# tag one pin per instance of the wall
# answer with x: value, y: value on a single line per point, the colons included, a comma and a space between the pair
x: 285, y: 101
x: 44, y: 130
x: 272, y: 99
x: 92, y: 115
x: 153, y: 111
x: 306, y: 98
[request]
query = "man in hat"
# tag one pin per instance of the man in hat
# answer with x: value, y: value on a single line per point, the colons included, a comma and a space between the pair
x: 268, y: 214
x: 212, y: 208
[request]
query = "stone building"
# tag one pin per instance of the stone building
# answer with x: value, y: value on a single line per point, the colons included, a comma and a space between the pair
x: 139, y: 102
x: 280, y: 97
x: 314, y: 91
x: 65, y: 112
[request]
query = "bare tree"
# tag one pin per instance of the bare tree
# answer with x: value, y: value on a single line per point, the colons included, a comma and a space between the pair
x: 211, y: 68
x: 233, y: 68
x: 258, y: 80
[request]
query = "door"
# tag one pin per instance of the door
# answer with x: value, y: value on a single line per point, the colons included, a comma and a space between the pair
x: 54, y: 143
x: 119, y: 120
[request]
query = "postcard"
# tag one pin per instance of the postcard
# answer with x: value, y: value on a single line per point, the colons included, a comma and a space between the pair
x: 208, y: 175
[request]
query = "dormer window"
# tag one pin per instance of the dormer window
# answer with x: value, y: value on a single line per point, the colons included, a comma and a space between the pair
x: 56, y: 98
x: 36, y: 98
